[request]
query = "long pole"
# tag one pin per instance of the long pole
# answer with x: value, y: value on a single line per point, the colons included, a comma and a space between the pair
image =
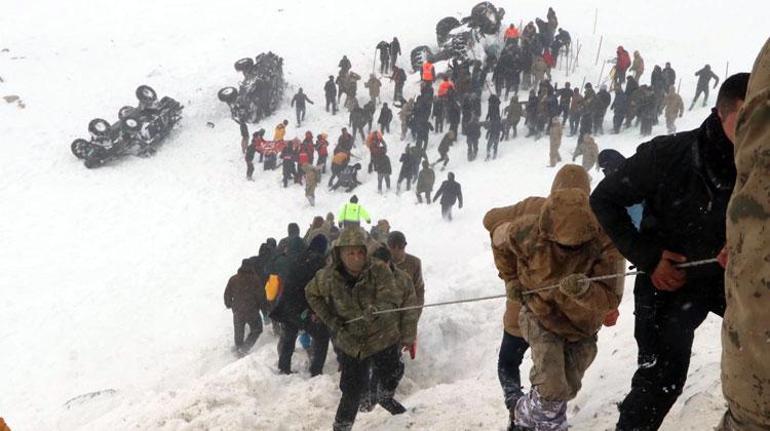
x: 598, y: 51
x: 727, y: 68
x: 596, y: 17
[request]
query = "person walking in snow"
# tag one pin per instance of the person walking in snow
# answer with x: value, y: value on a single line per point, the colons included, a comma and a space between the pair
x: 354, y: 286
x: 685, y: 181
x: 384, y: 50
x: 425, y: 180
x: 443, y: 149
x: 705, y: 76
x: 352, y: 213
x: 298, y: 101
x: 330, y: 92
x: 385, y: 117
x: 450, y: 193
x: 553, y: 241
x: 244, y: 296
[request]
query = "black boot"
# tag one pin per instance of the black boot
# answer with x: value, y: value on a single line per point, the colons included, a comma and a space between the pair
x: 392, y: 406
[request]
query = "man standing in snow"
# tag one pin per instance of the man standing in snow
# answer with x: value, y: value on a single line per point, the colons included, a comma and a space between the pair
x: 449, y: 192
x: 408, y: 263
x: 685, y: 181
x: 298, y: 101
x: 354, y: 286
x: 352, y: 213
x: 497, y: 221
x: 542, y: 242
x: 243, y: 295
x: 330, y: 91
x: 704, y: 79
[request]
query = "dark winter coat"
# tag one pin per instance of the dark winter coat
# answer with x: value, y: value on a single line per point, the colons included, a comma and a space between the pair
x: 669, y: 75
x: 704, y: 76
x: 386, y: 116
x: 244, y: 294
x: 425, y: 180
x: 330, y: 89
x: 450, y: 192
x: 685, y: 181
x: 299, y: 100
x: 382, y: 164
x: 620, y: 104
x: 292, y: 302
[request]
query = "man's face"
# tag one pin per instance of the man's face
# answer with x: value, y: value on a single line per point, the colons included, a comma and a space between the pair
x: 398, y: 251
x: 353, y: 258
x: 729, y: 122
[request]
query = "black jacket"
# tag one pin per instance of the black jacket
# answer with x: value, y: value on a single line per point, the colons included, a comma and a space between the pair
x: 450, y: 192
x: 299, y: 99
x: 292, y: 303
x: 330, y: 89
x: 685, y: 181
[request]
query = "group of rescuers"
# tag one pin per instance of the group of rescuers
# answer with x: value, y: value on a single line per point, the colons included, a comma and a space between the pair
x: 704, y: 194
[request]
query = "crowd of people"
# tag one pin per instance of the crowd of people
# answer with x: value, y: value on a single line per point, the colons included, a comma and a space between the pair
x: 344, y: 285
x: 525, y: 62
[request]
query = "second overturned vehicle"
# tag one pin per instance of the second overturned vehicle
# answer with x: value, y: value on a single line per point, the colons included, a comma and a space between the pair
x: 138, y: 131
x: 260, y: 92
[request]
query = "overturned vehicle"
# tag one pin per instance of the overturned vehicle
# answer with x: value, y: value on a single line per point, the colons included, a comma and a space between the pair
x: 139, y: 130
x: 260, y: 92
x: 458, y: 39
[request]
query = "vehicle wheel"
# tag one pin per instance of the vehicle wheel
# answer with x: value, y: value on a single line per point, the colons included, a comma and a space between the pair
x: 445, y: 26
x: 228, y: 94
x: 131, y: 124
x: 99, y: 127
x: 79, y: 148
x: 244, y: 64
x: 91, y: 163
x: 125, y: 111
x: 419, y: 55
x: 145, y: 93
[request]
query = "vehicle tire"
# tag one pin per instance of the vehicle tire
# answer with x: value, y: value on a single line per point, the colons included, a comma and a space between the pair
x: 99, y: 127
x: 131, y: 123
x: 228, y: 94
x: 91, y: 163
x: 145, y: 93
x: 419, y: 55
x: 79, y: 148
x: 244, y: 64
x: 445, y: 26
x: 125, y: 112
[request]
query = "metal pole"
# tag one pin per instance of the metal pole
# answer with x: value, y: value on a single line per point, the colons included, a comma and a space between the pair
x: 598, y: 51
x: 596, y: 17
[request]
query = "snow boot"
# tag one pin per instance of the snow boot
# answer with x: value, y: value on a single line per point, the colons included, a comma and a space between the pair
x: 392, y: 406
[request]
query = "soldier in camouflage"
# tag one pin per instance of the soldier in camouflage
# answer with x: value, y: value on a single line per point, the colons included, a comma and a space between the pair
x: 745, y: 347
x: 354, y: 286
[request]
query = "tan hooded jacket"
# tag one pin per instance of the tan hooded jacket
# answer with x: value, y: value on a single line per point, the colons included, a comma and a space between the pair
x: 498, y: 221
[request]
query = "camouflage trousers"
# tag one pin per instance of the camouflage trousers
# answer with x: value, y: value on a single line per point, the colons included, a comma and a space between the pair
x: 730, y: 423
x: 557, y: 370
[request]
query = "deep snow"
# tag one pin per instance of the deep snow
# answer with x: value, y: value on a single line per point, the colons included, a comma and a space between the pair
x: 112, y: 278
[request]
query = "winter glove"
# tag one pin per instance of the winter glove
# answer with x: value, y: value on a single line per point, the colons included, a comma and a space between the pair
x: 368, y: 316
x: 411, y: 348
x: 304, y: 316
x: 574, y: 285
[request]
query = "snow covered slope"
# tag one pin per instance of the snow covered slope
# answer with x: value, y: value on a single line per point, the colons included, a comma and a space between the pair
x: 112, y: 278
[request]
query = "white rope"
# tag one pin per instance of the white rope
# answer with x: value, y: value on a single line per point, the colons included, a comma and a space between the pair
x: 530, y: 292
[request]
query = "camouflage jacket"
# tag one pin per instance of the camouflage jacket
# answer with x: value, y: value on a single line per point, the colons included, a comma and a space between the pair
x: 336, y: 298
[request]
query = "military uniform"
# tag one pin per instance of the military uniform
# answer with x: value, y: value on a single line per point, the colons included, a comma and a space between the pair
x: 590, y: 152
x: 745, y: 350
x: 674, y: 107
x: 559, y: 243
x: 513, y: 346
x: 555, y: 135
x: 337, y: 297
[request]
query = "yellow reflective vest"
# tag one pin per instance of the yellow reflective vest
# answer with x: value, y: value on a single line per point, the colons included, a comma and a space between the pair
x: 353, y: 212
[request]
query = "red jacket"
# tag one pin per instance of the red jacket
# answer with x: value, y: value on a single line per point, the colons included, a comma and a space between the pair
x: 444, y: 87
x: 322, y: 146
x: 624, y: 60
x: 512, y: 33
x: 548, y: 58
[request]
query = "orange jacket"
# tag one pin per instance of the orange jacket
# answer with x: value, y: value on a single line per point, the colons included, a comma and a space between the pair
x: 444, y: 87
x: 427, y: 71
x: 512, y: 33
